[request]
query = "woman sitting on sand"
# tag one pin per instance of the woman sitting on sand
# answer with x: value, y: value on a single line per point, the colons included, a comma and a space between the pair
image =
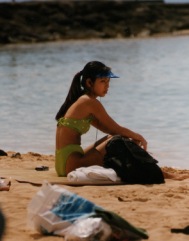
x: 82, y: 109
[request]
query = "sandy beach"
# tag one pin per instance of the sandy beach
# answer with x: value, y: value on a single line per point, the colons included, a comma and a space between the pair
x: 156, y: 208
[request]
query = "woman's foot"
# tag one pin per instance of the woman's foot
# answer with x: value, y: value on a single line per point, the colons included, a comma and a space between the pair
x: 175, y: 176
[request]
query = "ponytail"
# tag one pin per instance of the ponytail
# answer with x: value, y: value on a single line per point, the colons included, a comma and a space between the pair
x: 74, y: 93
x: 79, y: 87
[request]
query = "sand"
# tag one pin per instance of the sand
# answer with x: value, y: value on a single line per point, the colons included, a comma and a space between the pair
x: 156, y: 208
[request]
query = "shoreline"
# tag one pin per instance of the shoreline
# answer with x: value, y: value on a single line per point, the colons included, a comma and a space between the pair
x: 39, y: 22
x: 60, y: 41
x: 45, y: 159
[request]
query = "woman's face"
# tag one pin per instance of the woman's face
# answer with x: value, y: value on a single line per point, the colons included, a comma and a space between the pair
x: 100, y: 87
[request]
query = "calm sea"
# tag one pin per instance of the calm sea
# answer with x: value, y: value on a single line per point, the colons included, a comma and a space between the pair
x: 151, y: 96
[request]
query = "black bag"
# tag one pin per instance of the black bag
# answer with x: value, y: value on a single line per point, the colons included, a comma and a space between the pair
x: 132, y: 163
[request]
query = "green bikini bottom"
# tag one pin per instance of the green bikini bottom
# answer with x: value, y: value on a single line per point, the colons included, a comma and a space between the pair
x: 61, y: 156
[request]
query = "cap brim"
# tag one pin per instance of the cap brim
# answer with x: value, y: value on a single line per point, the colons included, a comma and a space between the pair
x: 112, y: 75
x: 108, y: 75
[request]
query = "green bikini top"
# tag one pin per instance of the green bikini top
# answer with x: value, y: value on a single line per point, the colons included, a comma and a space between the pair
x: 79, y: 125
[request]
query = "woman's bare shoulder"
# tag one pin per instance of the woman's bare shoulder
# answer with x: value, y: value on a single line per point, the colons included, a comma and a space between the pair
x: 88, y: 100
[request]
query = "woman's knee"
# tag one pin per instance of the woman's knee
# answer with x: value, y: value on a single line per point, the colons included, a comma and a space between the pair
x: 102, y: 147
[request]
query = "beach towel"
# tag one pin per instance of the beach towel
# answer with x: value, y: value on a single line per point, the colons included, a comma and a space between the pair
x: 30, y: 175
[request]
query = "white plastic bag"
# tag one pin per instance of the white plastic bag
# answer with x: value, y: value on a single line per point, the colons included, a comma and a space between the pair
x: 88, y: 229
x: 56, y: 211
x: 53, y: 209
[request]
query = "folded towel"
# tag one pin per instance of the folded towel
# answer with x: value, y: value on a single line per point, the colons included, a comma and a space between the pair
x: 93, y: 173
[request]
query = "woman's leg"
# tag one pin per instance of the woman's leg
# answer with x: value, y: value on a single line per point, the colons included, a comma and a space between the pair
x: 97, y: 143
x: 93, y: 155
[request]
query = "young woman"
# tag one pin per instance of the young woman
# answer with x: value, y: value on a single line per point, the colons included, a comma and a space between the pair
x: 82, y: 109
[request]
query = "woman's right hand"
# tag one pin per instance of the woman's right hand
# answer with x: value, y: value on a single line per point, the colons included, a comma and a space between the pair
x: 140, y: 140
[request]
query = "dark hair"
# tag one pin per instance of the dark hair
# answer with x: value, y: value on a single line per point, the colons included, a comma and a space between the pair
x: 78, y: 86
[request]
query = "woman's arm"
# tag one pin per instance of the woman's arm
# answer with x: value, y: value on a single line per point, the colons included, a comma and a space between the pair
x: 106, y: 124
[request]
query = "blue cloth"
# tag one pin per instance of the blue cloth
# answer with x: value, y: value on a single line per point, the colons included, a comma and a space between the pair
x: 70, y: 207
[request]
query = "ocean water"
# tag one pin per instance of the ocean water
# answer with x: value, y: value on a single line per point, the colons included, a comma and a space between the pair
x: 150, y: 97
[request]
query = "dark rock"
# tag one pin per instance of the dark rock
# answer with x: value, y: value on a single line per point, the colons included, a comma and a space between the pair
x: 16, y: 155
x: 57, y: 20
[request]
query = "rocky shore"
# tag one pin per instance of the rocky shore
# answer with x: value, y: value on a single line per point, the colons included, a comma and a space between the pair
x: 58, y: 20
